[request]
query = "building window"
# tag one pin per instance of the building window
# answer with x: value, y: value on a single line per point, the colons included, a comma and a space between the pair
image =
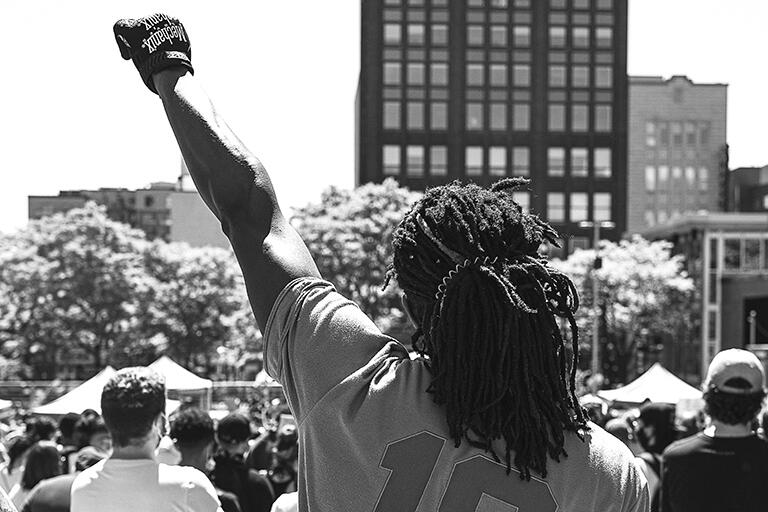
x: 603, y: 167
x: 521, y: 161
x: 438, y: 161
x: 605, y: 5
x: 391, y: 160
x: 498, y: 75
x: 392, y: 33
x: 663, y: 177
x: 392, y: 115
x: 703, y: 133
x: 581, y: 4
x: 690, y: 177
x: 415, y: 73
x: 439, y: 35
x: 662, y: 216
x: 416, y: 34
x: 149, y: 201
x: 557, y: 4
x: 521, y: 116
x: 603, y: 118
x: 476, y: 3
x: 650, y: 134
x: 555, y: 207
x: 580, y: 37
x: 497, y: 161
x: 650, y: 178
x: 663, y: 133
x: 521, y: 35
x: 473, y: 156
x: 578, y: 243
x: 415, y: 161
x: 650, y: 218
x: 579, y: 207
x: 579, y: 117
x: 498, y: 116
x: 602, y: 207
x: 474, y: 116
x: 438, y: 73
x: 415, y: 115
x: 521, y: 75
x: 523, y: 199
x: 677, y: 173
x: 557, y: 37
x: 765, y: 202
x: 579, y: 163
x: 580, y: 76
x: 556, y: 162
x: 439, y: 115
x: 392, y: 73
x: 556, y: 117
x: 604, y: 37
x: 703, y: 179
x: 499, y: 35
x: 475, y: 35
x: 690, y: 134
x: 475, y: 74
x: 557, y: 76
x: 603, y: 76
x: 677, y: 134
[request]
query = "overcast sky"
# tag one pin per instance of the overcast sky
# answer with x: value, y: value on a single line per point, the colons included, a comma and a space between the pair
x: 283, y: 74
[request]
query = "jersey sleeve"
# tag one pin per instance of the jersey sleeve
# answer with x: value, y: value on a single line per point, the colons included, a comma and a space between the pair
x: 314, y: 339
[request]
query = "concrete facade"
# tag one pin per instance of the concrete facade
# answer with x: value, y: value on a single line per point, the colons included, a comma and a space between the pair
x: 677, y: 156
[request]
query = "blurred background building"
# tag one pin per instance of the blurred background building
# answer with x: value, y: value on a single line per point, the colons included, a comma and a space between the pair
x: 484, y: 89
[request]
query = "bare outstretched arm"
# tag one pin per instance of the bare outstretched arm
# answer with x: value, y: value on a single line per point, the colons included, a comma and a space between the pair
x: 237, y: 189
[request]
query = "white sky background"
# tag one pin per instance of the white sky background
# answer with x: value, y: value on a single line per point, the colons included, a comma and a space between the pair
x: 283, y: 74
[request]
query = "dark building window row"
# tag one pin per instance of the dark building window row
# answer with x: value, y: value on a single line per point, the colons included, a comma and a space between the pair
x: 577, y: 118
x: 662, y: 179
x: 581, y: 4
x: 582, y: 76
x: 578, y: 207
x: 576, y: 162
x: 415, y: 161
x: 419, y: 115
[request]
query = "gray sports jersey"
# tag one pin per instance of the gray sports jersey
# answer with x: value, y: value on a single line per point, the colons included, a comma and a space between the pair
x: 371, y: 439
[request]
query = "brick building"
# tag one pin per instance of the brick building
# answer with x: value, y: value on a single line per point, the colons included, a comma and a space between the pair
x: 747, y: 190
x: 484, y: 89
x: 677, y: 158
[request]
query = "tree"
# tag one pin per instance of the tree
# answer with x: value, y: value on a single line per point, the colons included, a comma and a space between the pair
x: 72, y: 282
x: 349, y: 233
x: 644, y: 294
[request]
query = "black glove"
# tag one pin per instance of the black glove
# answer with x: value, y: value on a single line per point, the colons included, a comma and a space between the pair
x: 154, y: 43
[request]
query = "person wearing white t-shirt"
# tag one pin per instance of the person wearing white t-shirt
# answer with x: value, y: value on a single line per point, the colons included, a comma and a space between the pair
x: 288, y: 502
x: 131, y: 480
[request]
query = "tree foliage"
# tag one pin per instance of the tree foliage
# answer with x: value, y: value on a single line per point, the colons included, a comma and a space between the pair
x: 645, y: 297
x: 349, y: 234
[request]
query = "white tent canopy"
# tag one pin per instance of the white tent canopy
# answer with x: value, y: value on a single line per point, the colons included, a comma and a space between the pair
x: 178, y: 378
x: 87, y: 396
x: 657, y: 385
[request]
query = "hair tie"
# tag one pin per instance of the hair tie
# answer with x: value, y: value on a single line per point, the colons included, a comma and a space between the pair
x: 482, y: 262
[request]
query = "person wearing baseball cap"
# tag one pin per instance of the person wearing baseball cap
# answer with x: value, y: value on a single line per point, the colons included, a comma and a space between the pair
x: 725, y: 467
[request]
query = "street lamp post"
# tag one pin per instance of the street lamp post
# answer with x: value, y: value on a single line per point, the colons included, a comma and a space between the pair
x: 596, y: 265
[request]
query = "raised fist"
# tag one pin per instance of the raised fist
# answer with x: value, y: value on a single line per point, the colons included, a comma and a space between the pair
x: 154, y: 43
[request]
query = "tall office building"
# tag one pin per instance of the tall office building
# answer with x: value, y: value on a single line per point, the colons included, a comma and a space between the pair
x: 677, y: 156
x: 482, y: 89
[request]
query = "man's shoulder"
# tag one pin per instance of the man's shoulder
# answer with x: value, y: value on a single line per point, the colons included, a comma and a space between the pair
x: 182, y: 475
x: 686, y: 446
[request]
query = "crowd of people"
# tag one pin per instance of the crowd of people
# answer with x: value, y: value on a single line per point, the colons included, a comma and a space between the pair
x: 716, y: 459
x: 250, y: 464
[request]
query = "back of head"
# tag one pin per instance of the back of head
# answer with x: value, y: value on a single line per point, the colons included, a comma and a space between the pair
x: 486, y: 304
x: 67, y: 426
x: 661, y: 417
x: 42, y: 428
x: 734, y: 389
x: 131, y: 402
x: 234, y: 428
x: 191, y: 429
x: 18, y: 450
x: 42, y: 462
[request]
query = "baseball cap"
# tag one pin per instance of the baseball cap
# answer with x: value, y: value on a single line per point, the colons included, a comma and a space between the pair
x: 234, y: 428
x: 732, y: 364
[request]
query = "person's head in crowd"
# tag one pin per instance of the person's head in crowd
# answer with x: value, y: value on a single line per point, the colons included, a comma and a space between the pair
x: 42, y: 428
x: 286, y: 450
x: 655, y: 427
x: 42, y: 462
x: 233, y: 433
x: 622, y: 430
x: 192, y: 431
x: 734, y: 389
x: 18, y: 451
x: 67, y: 428
x: 87, y: 457
x: 472, y: 253
x: 91, y: 430
x: 133, y: 406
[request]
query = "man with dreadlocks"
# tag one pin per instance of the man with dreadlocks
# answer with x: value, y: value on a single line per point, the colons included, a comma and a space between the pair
x: 486, y: 418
